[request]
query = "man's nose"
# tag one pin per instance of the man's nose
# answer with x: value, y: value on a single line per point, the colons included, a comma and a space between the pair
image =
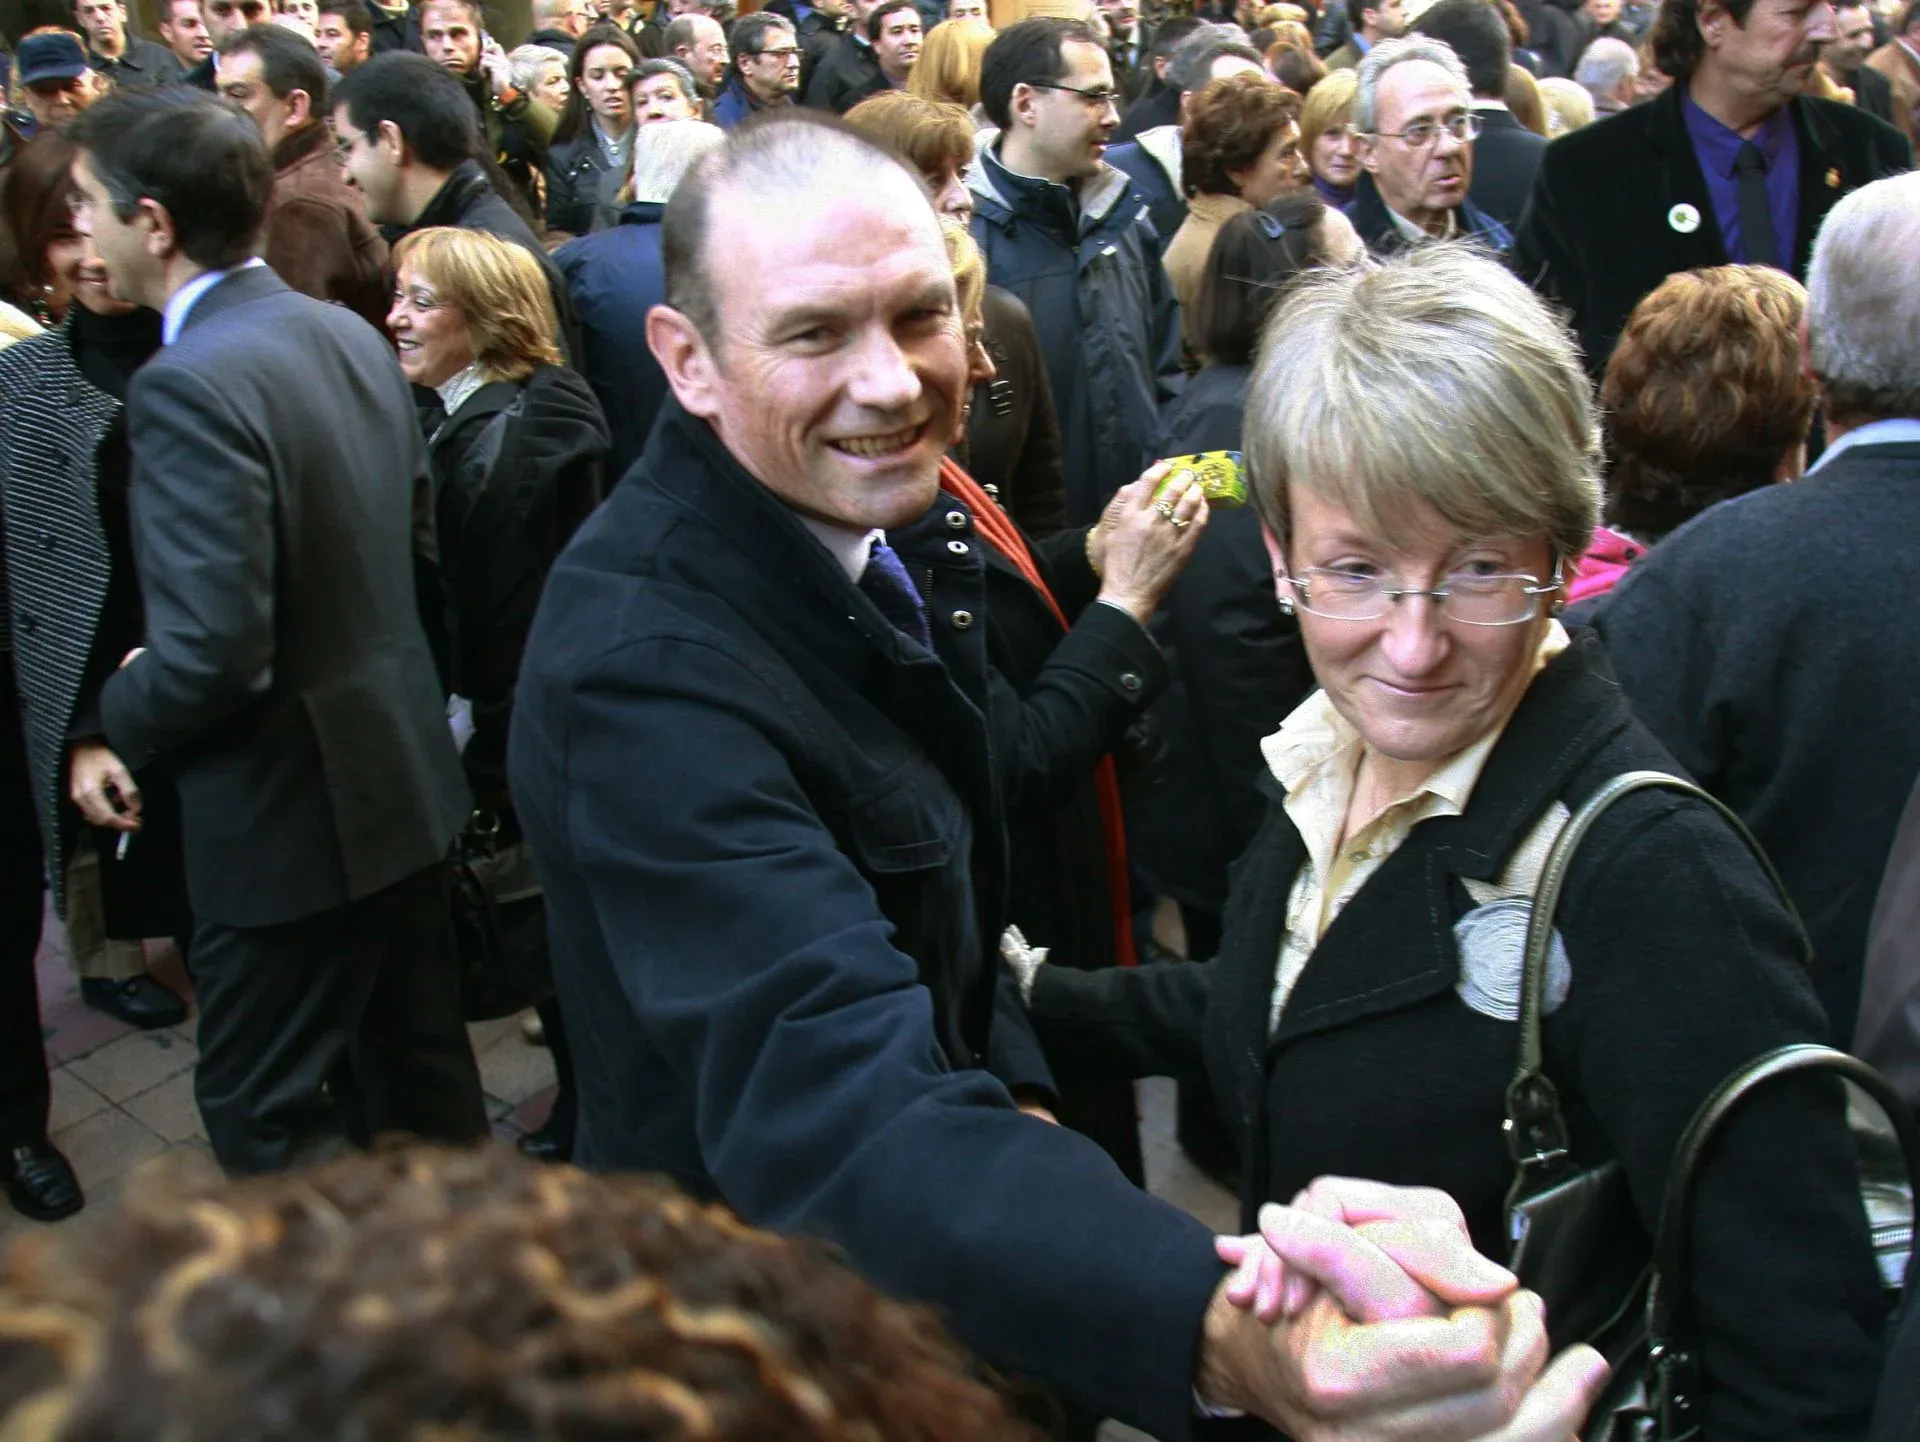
x: 883, y: 377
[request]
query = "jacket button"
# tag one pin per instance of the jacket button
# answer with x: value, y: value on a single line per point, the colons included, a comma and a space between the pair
x: 956, y: 520
x: 1130, y: 682
x: 962, y: 620
x: 959, y: 548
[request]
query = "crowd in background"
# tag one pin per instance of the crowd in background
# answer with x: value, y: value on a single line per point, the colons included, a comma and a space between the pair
x: 879, y: 574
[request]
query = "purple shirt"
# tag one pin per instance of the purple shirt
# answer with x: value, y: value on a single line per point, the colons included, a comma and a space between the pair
x: 1718, y: 147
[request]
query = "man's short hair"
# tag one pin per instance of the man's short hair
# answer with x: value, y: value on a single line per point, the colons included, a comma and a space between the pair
x: 1192, y: 64
x: 1675, y: 36
x: 428, y: 105
x: 1863, y: 307
x: 1027, y: 53
x: 1400, y: 51
x: 288, y: 62
x: 354, y: 15
x: 169, y: 10
x: 476, y: 12
x: 750, y: 32
x: 877, y: 17
x: 1171, y: 35
x: 1476, y: 31
x: 1356, y: 9
x: 789, y: 152
x: 1605, y: 63
x: 198, y: 157
x: 685, y: 30
x: 666, y: 65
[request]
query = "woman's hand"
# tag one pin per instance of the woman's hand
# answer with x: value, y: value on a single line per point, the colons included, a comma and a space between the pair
x: 1142, y: 543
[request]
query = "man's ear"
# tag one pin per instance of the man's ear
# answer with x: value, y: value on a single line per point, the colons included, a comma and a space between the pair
x: 689, y: 365
x: 299, y: 108
x: 1370, y: 153
x: 1021, y: 103
x: 388, y: 135
x: 1712, y: 20
x: 160, y: 240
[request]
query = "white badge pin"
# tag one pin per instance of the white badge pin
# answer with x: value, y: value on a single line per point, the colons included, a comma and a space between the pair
x: 1684, y: 218
x: 1492, y: 942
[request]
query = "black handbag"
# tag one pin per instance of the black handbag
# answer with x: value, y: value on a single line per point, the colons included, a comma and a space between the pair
x: 1574, y: 1236
x: 499, y: 923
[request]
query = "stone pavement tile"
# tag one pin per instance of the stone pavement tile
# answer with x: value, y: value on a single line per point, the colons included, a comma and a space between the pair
x: 134, y: 1064
x: 169, y: 1109
x: 73, y: 1029
x: 513, y: 1071
x: 105, y: 1145
x: 485, y: 1033
x: 73, y: 1100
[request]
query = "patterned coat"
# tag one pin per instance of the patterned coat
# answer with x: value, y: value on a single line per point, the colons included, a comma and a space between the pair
x: 51, y: 424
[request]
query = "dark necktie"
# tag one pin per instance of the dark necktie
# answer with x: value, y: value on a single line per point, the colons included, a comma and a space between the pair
x: 1757, y: 246
x: 889, y: 587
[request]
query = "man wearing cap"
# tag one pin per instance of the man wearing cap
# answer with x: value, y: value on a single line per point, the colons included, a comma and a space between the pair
x: 54, y: 83
x: 126, y: 60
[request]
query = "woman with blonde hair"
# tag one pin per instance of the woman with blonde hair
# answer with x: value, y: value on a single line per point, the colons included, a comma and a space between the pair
x: 948, y: 70
x: 1327, y: 138
x: 515, y: 442
x: 1566, y: 107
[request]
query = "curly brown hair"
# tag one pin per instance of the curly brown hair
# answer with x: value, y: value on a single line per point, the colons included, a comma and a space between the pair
x: 1231, y: 123
x: 1704, y: 394
x: 430, y: 1295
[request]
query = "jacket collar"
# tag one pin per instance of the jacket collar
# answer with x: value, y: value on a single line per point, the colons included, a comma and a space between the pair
x: 463, y: 185
x: 1009, y: 193
x: 301, y: 146
x: 642, y: 212
x: 253, y: 282
x: 1162, y: 143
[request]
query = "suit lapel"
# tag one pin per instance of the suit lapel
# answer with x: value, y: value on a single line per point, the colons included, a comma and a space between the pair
x: 1823, y: 178
x: 1683, y: 183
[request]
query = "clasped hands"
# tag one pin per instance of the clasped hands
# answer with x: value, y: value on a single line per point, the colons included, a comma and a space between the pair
x: 1362, y: 1311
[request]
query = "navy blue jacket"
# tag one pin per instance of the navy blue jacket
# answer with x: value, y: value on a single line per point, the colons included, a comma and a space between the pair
x: 1142, y: 161
x: 769, y: 833
x: 614, y: 277
x: 1088, y: 267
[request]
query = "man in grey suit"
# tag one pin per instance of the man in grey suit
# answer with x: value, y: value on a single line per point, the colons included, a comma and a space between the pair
x: 286, y: 676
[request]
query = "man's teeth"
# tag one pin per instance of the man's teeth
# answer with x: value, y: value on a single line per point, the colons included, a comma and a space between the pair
x: 872, y: 447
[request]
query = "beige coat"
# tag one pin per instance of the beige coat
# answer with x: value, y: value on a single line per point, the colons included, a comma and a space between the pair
x: 1186, y: 257
x: 1902, y: 69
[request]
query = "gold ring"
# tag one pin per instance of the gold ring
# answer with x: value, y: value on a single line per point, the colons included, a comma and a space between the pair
x: 1177, y: 524
x: 1165, y: 508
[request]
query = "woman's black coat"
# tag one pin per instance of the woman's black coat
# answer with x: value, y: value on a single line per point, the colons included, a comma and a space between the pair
x: 1013, y: 438
x: 576, y: 171
x: 502, y: 514
x: 1684, y: 965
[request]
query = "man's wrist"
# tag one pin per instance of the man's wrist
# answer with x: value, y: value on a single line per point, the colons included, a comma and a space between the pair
x: 1140, y: 609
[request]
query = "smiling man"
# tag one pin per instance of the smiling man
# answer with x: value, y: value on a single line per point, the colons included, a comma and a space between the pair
x: 750, y: 754
x: 1731, y: 163
x: 1414, y: 115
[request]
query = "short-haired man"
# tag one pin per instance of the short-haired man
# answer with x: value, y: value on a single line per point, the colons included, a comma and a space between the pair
x: 1152, y: 160
x: 1732, y: 163
x: 344, y: 36
x: 777, y: 970
x: 1100, y: 298
x: 1413, y: 115
x: 1372, y: 22
x: 408, y: 136
x: 1607, y: 72
x: 1506, y: 155
x: 766, y: 69
x: 518, y: 126
x: 53, y: 80
x: 699, y: 43
x: 1729, y: 635
x: 559, y: 24
x: 849, y: 72
x: 1899, y: 61
x: 316, y: 235
x: 894, y: 31
x: 663, y: 89
x: 184, y: 31
x: 286, y: 680
x: 1129, y: 46
x: 1157, y: 103
x: 1843, y: 59
x: 225, y: 18
x: 126, y: 60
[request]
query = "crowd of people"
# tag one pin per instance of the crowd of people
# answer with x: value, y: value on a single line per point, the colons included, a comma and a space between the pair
x: 884, y: 572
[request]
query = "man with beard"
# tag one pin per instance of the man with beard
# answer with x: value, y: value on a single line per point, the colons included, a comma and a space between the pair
x: 1732, y: 163
x: 1414, y: 115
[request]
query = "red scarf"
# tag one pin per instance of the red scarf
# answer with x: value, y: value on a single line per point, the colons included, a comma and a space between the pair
x: 1000, y: 532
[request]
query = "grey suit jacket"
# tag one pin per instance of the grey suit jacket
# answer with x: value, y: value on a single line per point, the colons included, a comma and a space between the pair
x: 287, y: 678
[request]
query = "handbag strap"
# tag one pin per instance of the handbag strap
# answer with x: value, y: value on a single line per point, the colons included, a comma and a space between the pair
x: 1536, y: 1130
x: 1674, y: 1381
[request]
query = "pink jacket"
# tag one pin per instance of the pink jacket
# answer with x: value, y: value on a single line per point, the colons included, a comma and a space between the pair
x: 1605, y: 562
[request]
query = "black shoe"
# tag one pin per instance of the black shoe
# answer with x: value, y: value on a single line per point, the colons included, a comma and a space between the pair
x: 138, y: 1001
x: 41, y: 1185
x: 546, y: 1145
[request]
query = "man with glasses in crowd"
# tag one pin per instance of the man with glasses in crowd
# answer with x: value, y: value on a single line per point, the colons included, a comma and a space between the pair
x: 766, y: 69
x: 1068, y: 234
x: 1414, y: 115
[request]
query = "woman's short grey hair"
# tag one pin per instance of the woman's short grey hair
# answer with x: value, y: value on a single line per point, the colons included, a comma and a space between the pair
x: 1604, y: 64
x: 1389, y: 53
x: 1863, y: 302
x: 531, y: 64
x: 1435, y: 382
x: 665, y: 151
x: 647, y: 69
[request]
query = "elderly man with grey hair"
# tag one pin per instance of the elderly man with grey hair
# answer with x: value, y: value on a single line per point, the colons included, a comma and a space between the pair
x: 1773, y: 643
x: 1606, y: 72
x: 752, y: 756
x: 1414, y: 115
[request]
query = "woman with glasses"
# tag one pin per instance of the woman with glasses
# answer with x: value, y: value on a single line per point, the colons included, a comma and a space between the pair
x: 1425, y: 457
x: 592, y: 148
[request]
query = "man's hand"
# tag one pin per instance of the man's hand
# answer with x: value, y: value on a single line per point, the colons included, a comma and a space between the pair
x: 95, y: 777
x: 1141, y: 544
x: 499, y: 69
